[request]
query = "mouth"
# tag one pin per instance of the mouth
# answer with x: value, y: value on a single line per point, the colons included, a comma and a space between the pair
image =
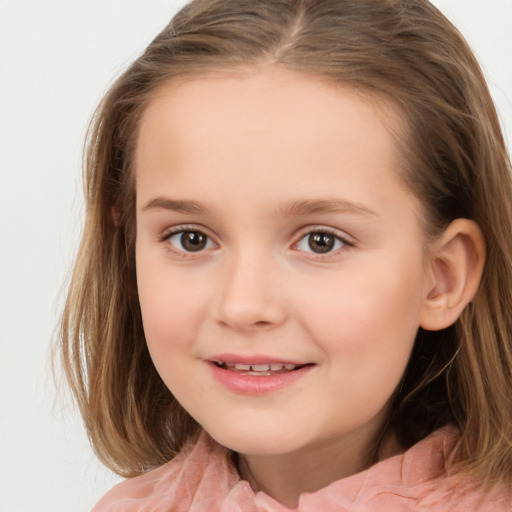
x: 256, y: 375
x: 259, y: 370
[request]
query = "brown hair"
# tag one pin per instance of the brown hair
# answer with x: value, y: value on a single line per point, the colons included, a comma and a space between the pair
x: 454, y: 159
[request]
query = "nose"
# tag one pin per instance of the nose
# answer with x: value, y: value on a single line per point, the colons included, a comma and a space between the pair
x: 251, y: 297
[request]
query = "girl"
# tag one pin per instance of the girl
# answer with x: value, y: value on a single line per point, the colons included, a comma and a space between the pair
x: 294, y: 284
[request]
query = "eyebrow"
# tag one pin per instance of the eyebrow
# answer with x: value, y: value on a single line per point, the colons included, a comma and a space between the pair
x: 165, y: 203
x: 295, y: 208
x: 308, y: 207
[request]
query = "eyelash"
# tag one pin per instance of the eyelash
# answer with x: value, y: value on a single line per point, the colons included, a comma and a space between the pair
x: 321, y: 230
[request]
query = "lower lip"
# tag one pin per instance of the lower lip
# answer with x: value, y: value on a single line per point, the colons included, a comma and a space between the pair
x: 256, y: 385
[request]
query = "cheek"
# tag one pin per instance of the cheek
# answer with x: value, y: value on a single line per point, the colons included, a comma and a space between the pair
x: 367, y: 317
x: 170, y: 303
x: 170, y: 316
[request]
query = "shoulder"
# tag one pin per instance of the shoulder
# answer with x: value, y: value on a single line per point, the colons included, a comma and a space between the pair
x: 462, y: 493
x: 436, y: 484
x: 170, y: 487
x: 128, y: 494
x: 425, y: 478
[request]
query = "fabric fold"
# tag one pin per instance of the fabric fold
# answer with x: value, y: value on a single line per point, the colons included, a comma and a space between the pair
x: 203, y: 478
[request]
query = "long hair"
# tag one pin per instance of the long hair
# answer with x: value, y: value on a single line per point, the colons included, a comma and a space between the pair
x: 453, y: 158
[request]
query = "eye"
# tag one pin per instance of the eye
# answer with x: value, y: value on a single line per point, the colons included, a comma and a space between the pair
x: 320, y: 242
x: 190, y: 241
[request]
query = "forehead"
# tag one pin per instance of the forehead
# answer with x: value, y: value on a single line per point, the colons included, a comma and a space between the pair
x: 267, y: 124
x: 252, y: 96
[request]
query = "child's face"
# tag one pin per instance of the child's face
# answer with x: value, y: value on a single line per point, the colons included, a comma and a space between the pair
x: 272, y: 229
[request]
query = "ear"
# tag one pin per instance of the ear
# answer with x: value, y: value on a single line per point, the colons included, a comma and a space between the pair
x: 116, y: 215
x: 456, y: 264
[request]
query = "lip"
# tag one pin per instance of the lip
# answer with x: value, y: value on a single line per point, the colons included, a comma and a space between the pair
x: 253, y: 384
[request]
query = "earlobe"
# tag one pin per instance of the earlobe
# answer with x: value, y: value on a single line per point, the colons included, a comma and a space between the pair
x: 116, y: 215
x: 456, y: 266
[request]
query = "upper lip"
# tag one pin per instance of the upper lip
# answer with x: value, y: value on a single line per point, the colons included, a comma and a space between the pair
x: 252, y: 359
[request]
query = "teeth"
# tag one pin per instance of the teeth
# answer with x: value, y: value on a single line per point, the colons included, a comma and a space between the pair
x: 239, y: 366
x: 260, y: 367
x: 274, y: 367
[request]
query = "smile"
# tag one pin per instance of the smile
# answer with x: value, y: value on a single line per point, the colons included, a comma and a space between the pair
x: 256, y: 377
x: 258, y: 370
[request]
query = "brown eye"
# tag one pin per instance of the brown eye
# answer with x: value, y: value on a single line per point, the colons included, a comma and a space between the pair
x: 190, y: 241
x: 193, y: 241
x: 320, y: 242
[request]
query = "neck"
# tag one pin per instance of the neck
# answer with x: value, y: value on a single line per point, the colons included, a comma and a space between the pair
x: 285, y: 477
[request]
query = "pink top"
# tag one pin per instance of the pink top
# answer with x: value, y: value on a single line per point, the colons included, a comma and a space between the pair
x: 203, y: 478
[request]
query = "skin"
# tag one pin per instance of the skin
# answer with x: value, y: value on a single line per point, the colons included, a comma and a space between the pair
x: 245, y: 147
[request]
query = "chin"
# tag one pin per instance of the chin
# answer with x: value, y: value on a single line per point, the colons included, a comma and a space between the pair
x: 255, y: 443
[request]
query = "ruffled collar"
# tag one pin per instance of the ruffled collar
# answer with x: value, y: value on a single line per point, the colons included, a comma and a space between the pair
x: 203, y: 478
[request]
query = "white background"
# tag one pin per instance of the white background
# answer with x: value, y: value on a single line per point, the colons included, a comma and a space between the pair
x: 57, y: 58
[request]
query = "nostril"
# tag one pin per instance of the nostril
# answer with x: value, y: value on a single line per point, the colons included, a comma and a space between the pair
x: 248, y: 327
x: 248, y: 311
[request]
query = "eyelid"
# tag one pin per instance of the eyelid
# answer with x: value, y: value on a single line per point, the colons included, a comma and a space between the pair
x: 322, y: 228
x: 168, y: 232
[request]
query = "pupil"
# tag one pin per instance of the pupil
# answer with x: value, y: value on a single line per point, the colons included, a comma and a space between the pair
x: 193, y: 241
x: 321, y: 242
